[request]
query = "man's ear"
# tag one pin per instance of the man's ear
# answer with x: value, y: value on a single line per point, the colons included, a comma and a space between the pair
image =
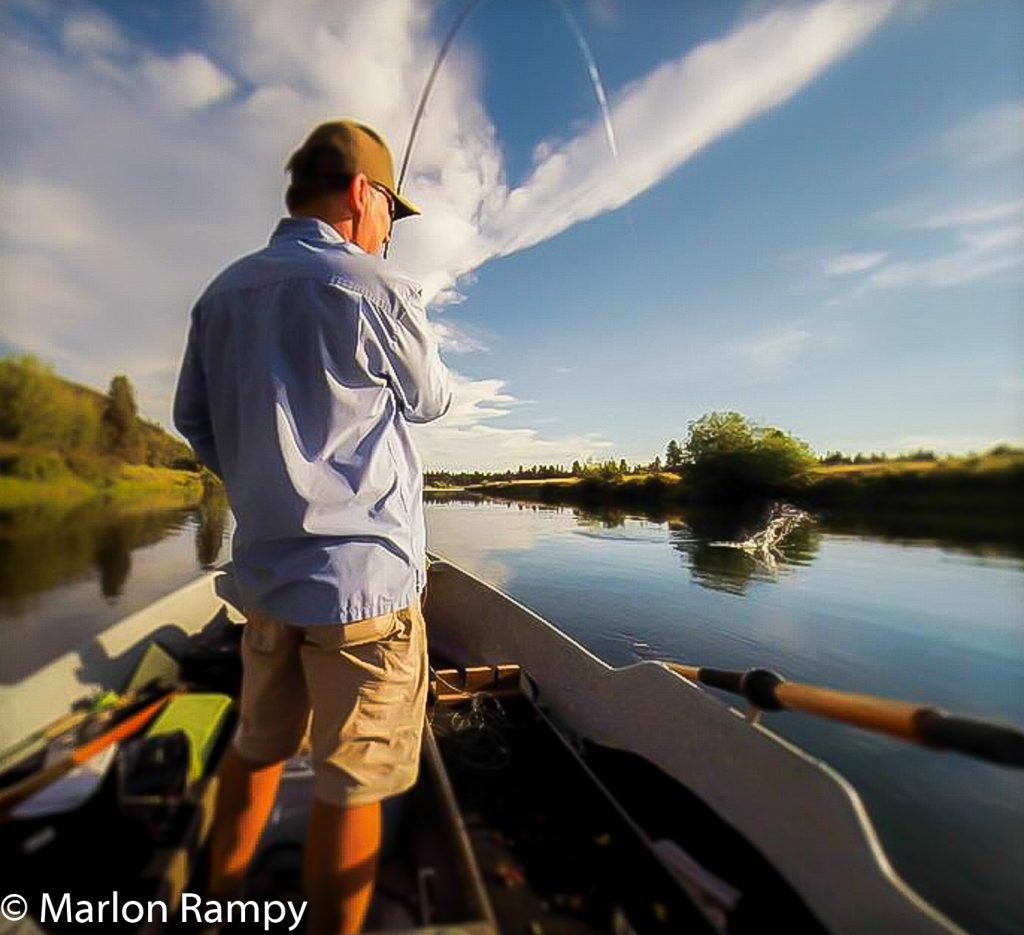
x: 358, y: 193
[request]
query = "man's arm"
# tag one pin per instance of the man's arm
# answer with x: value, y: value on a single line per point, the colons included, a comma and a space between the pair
x: 191, y: 406
x: 420, y: 380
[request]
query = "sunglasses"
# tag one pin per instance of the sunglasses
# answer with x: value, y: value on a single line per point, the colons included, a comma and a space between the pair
x: 392, y: 206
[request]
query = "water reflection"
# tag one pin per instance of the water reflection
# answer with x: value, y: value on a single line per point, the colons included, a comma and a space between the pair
x: 114, y: 558
x: 43, y: 547
x: 722, y: 551
x: 698, y: 535
x: 706, y: 538
x: 212, y: 517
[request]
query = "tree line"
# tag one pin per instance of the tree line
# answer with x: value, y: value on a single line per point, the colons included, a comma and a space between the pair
x: 48, y: 425
x: 723, y: 454
x: 722, y: 449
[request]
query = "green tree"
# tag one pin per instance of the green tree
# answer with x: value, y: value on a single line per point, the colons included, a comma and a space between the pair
x: 673, y: 455
x: 121, y: 421
x: 730, y: 456
x: 38, y: 409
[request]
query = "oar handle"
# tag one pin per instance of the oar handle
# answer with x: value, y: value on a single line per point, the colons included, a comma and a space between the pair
x: 998, y: 743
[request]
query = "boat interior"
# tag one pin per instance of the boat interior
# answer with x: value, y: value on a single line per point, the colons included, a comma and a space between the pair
x: 515, y: 824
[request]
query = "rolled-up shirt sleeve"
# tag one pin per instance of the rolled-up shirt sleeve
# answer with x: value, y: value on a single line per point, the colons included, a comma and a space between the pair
x: 419, y: 378
x: 191, y: 405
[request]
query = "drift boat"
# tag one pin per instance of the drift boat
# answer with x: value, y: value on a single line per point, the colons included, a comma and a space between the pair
x: 556, y: 793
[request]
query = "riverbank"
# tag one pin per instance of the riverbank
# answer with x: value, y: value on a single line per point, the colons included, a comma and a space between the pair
x: 122, y: 484
x: 984, y: 491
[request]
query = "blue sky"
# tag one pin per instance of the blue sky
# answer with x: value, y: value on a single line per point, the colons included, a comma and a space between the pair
x: 816, y: 215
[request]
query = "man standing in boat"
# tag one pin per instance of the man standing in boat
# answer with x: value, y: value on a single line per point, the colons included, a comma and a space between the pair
x: 305, y: 364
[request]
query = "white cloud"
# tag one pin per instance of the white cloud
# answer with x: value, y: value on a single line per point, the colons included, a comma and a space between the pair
x: 465, y: 437
x: 988, y: 240
x: 456, y: 340
x: 186, y: 82
x: 605, y: 12
x: 960, y: 215
x: 847, y: 263
x: 35, y: 213
x: 774, y: 352
x: 185, y: 194
x: 991, y: 137
x: 91, y: 33
x: 675, y: 111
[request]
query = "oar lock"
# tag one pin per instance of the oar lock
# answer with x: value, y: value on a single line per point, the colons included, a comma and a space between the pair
x: 756, y: 685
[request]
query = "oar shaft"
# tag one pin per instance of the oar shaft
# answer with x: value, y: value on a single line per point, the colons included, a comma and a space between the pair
x: 866, y: 711
x: 923, y: 724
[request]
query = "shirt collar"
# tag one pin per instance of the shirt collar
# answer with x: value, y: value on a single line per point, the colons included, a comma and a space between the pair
x: 301, y: 228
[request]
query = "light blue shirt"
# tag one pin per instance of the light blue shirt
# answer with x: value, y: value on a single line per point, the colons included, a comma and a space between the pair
x: 304, y: 366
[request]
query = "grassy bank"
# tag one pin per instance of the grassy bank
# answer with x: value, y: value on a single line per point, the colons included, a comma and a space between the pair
x: 51, y: 482
x: 990, y: 484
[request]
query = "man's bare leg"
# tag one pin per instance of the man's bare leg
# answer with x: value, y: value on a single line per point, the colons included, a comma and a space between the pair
x: 245, y: 798
x: 342, y: 847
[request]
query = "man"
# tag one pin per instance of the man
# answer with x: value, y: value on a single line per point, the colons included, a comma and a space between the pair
x: 304, y: 365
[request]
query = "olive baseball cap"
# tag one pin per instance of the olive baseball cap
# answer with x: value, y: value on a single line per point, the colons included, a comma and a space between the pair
x: 341, y: 148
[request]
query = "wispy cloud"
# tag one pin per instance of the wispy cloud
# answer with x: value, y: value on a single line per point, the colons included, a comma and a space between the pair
x: 456, y: 340
x: 674, y: 112
x: 847, y: 263
x: 986, y: 139
x: 987, y: 240
x: 467, y: 437
x: 176, y: 165
x: 91, y: 33
x: 186, y: 82
x: 771, y: 354
x: 954, y: 216
x: 604, y: 12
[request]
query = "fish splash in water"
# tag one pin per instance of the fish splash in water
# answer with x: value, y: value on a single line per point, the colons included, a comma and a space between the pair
x: 763, y: 545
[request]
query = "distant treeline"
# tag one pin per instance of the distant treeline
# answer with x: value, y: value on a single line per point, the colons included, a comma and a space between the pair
x: 49, y: 427
x: 921, y: 454
x: 722, y: 449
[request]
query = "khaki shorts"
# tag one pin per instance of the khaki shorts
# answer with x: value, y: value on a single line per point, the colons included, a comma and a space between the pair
x: 366, y: 686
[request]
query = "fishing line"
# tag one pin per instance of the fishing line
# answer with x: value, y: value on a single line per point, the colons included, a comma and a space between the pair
x: 593, y: 72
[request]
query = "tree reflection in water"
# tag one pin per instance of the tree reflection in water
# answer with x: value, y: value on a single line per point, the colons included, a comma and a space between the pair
x: 709, y: 537
x: 212, y: 523
x: 113, y: 558
x: 42, y: 547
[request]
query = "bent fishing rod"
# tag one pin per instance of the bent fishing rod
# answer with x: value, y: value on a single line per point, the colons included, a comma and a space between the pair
x: 421, y: 106
x: 588, y: 59
x: 922, y: 724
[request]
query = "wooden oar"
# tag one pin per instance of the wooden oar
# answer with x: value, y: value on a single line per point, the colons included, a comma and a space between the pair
x: 124, y: 728
x: 923, y: 724
x: 14, y: 759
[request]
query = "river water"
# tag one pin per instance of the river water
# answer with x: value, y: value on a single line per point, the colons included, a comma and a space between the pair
x: 935, y: 620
